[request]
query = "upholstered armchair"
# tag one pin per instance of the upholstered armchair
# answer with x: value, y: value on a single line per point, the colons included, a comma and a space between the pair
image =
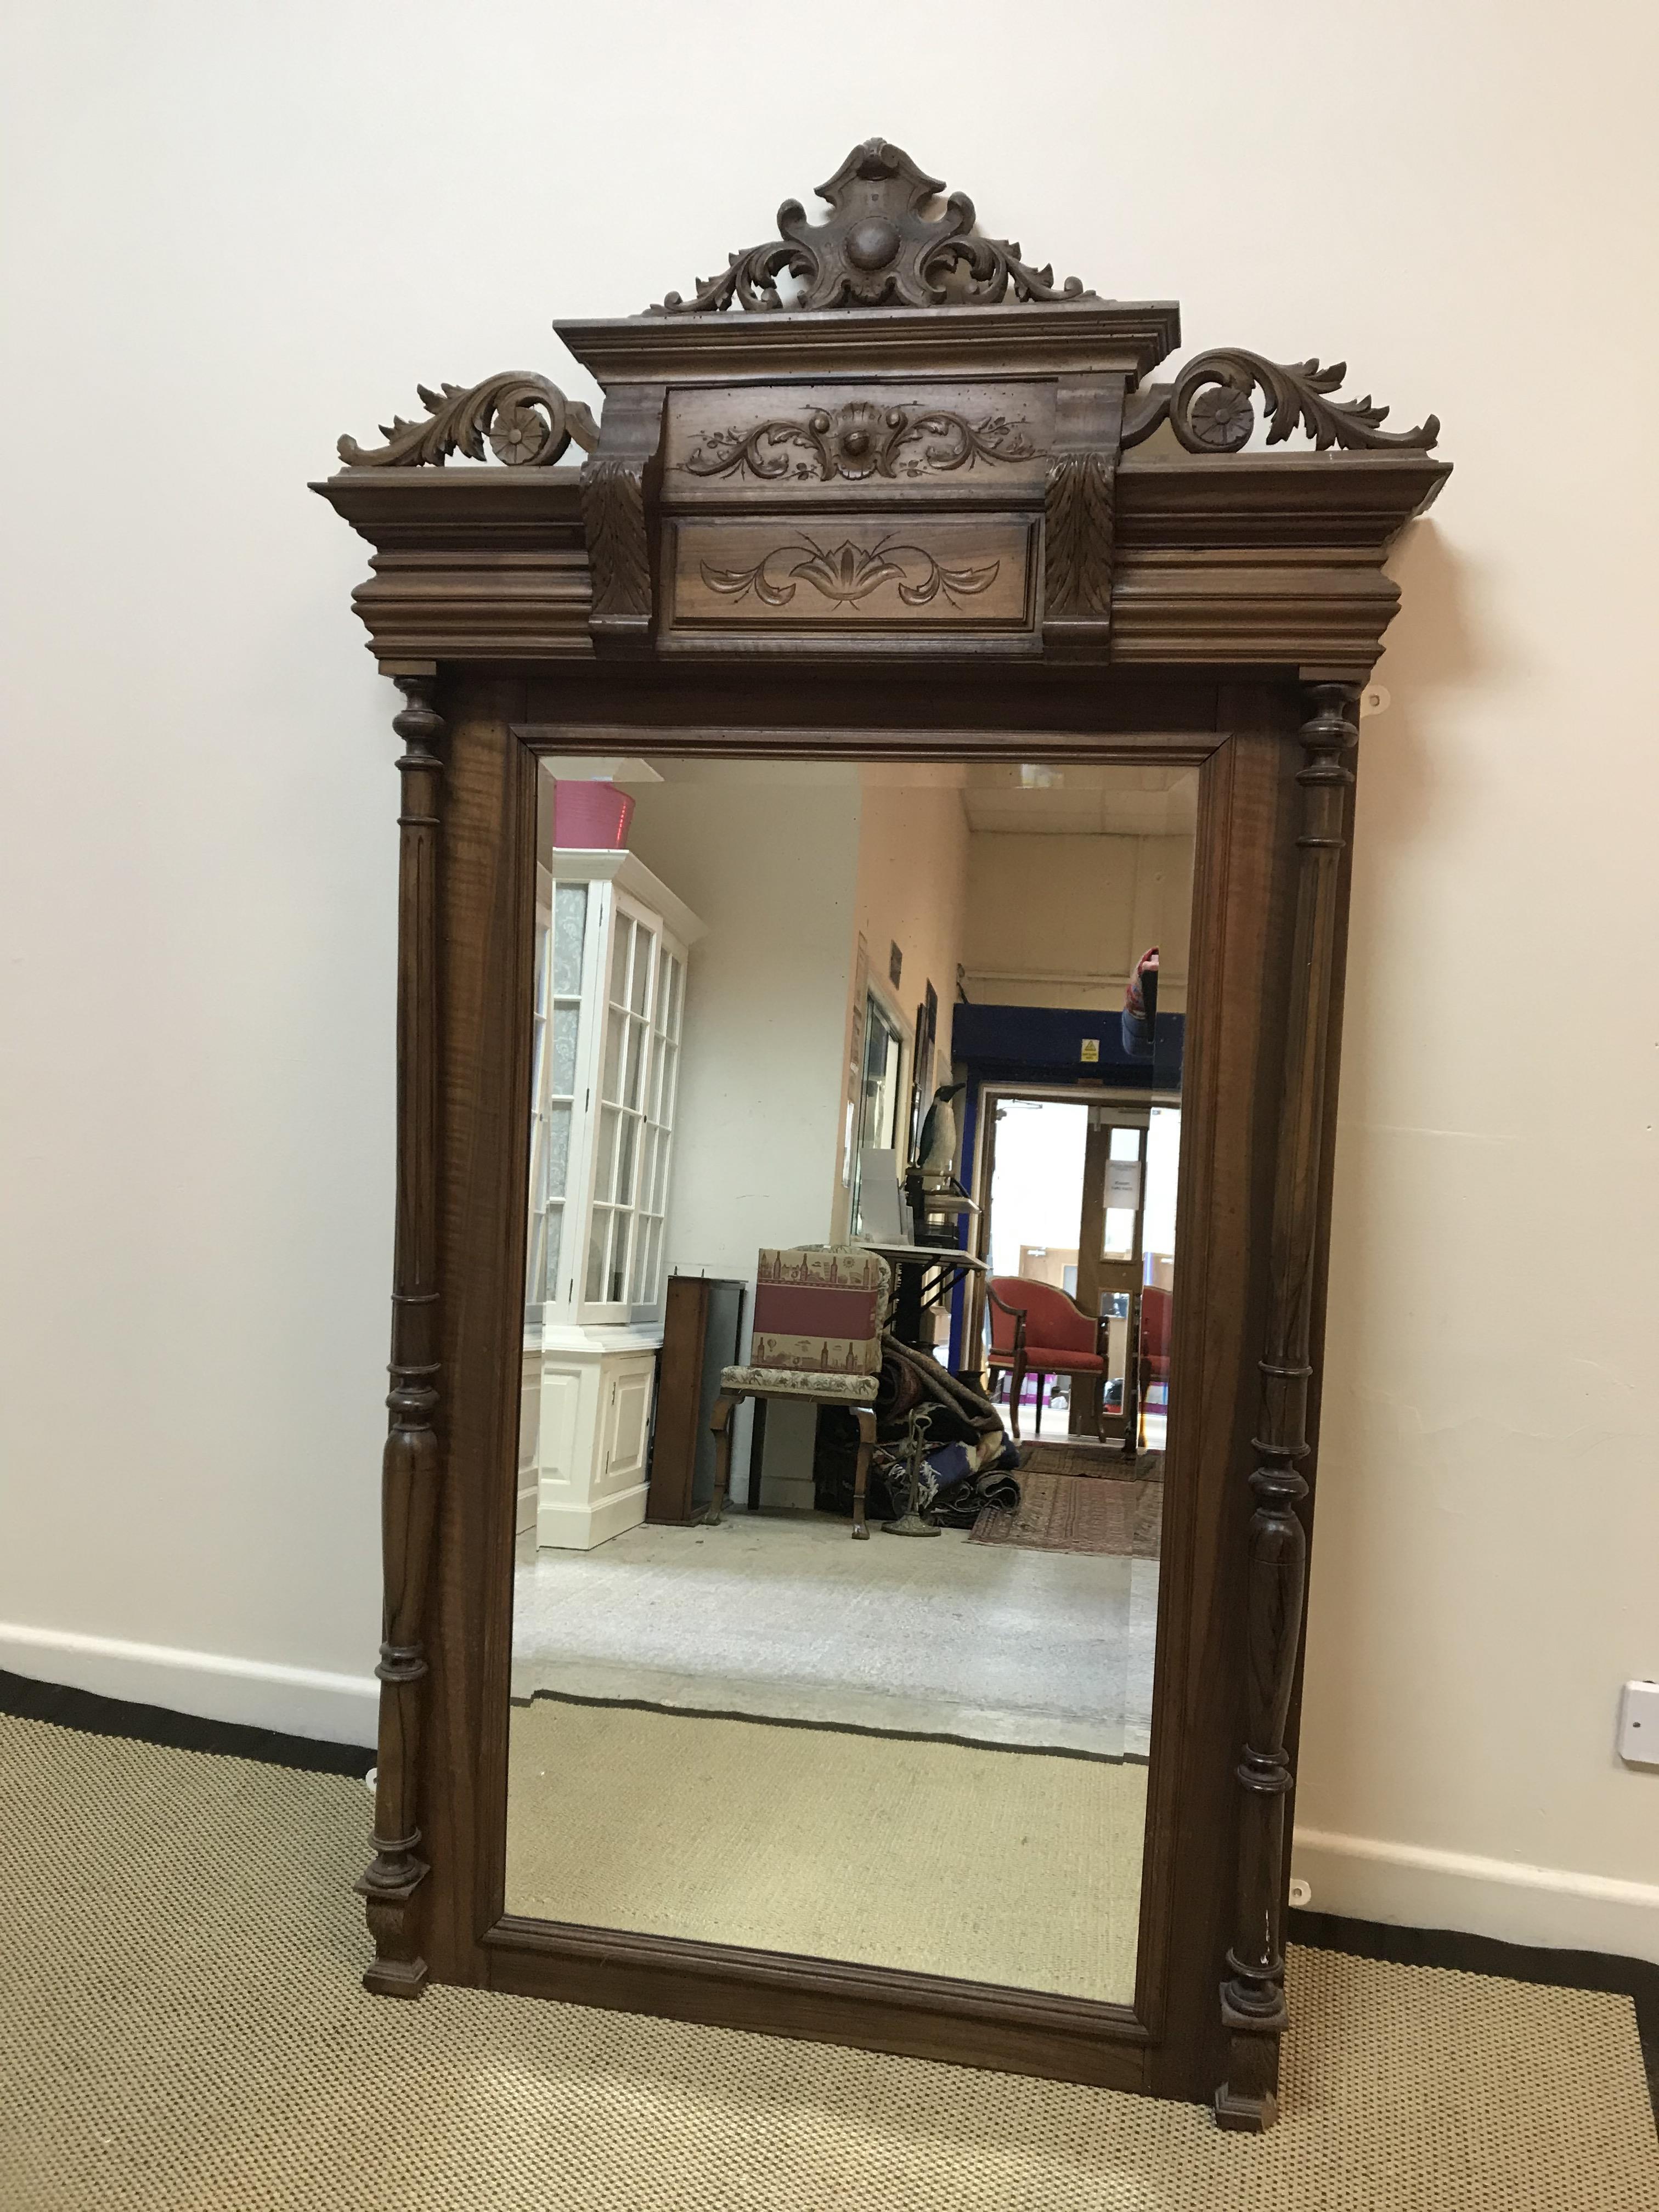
x: 1036, y: 1329
x: 819, y: 1311
x: 1152, y: 1350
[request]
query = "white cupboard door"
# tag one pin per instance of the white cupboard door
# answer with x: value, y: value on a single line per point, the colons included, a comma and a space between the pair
x: 626, y: 1427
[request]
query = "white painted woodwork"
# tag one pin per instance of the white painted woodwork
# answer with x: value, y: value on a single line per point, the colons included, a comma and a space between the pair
x: 611, y: 946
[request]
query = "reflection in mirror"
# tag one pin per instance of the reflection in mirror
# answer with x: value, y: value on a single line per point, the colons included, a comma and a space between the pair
x: 855, y: 1123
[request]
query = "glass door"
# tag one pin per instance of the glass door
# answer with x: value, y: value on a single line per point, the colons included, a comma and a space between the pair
x: 624, y: 1066
x: 561, y: 933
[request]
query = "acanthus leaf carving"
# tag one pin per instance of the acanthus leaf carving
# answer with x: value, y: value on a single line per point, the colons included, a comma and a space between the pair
x: 618, y: 549
x: 858, y: 440
x: 848, y: 574
x: 1077, y: 537
x: 878, y: 248
x: 523, y: 419
x: 1208, y: 406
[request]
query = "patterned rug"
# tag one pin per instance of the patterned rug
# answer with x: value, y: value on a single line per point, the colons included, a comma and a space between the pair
x: 1074, y: 1513
x: 1097, y: 1462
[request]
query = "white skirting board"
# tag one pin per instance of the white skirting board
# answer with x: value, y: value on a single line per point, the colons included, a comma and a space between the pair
x: 1361, y: 1878
x: 259, y: 1693
x: 1410, y: 1886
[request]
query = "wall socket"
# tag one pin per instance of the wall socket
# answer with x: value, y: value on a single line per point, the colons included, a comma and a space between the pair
x: 1638, y: 1724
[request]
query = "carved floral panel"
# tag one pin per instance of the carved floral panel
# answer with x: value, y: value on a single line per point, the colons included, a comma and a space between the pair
x: 981, y: 439
x: 854, y: 573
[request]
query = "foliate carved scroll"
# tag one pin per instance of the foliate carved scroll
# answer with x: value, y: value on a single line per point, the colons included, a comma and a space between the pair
x: 878, y: 248
x: 521, y: 418
x: 846, y: 574
x: 861, y: 439
x: 1209, y: 407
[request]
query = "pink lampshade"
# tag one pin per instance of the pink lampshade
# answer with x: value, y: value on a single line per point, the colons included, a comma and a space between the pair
x: 590, y: 818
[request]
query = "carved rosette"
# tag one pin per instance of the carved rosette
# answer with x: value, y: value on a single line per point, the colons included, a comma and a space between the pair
x: 410, y: 1466
x: 878, y: 248
x: 1253, y: 1995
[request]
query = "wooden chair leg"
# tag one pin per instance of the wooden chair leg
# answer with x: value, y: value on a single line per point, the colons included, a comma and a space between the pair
x: 865, y: 1418
x: 756, y: 1455
x: 720, y: 1426
x: 1017, y: 1391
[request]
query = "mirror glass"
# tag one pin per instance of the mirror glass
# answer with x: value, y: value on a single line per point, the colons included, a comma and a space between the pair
x: 847, y: 1360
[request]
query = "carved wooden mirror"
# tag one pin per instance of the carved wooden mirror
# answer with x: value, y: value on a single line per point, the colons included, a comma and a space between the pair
x: 873, y: 863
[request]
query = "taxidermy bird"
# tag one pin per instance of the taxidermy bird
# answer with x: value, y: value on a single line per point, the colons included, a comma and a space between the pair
x: 939, y: 1133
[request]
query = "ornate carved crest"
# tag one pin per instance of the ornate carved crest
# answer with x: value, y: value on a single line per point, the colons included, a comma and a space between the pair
x: 879, y: 248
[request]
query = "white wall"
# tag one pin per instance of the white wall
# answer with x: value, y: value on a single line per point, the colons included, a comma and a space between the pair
x: 913, y: 891
x: 766, y: 854
x: 234, y: 233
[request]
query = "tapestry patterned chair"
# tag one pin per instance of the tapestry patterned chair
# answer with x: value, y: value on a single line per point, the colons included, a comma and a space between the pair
x: 1036, y: 1329
x: 819, y: 1311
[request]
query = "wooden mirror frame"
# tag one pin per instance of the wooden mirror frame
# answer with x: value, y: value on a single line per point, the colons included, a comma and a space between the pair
x: 1195, y: 605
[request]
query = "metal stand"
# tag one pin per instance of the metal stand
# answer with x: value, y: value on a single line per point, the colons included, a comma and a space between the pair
x: 911, y: 1523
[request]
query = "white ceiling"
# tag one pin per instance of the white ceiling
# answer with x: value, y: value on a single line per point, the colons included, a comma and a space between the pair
x: 1083, y: 801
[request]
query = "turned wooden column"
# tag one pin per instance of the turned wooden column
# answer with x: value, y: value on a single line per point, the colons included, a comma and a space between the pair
x: 409, y: 1480
x: 1253, y: 1995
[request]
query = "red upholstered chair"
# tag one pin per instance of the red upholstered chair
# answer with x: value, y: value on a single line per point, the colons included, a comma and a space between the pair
x: 1036, y: 1329
x: 1152, y: 1352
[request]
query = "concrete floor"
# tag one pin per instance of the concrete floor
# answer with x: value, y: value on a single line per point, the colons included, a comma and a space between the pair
x: 784, y: 1616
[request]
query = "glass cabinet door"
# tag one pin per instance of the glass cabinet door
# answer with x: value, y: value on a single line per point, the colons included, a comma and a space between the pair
x: 659, y: 1127
x: 561, y: 936
x: 609, y: 988
x: 619, y: 1137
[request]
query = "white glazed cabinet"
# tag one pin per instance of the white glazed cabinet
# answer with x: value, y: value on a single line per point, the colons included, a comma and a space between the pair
x: 612, y: 943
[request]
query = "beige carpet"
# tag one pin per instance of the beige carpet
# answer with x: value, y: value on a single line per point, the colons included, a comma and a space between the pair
x: 181, y: 2031
x: 991, y: 1866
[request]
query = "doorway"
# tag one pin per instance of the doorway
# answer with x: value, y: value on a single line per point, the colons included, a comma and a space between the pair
x: 1080, y: 1197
